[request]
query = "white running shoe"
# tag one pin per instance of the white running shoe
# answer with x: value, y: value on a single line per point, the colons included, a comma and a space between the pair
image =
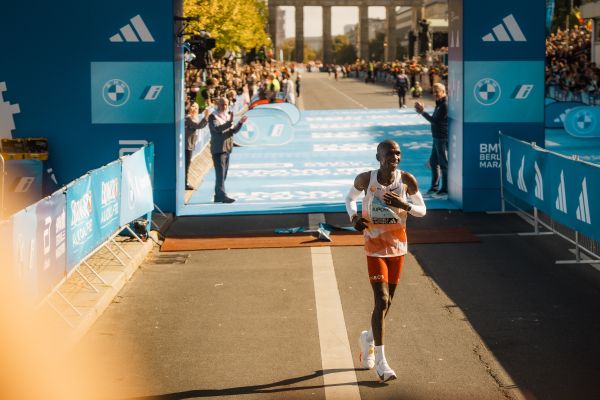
x: 384, y: 372
x: 367, y: 351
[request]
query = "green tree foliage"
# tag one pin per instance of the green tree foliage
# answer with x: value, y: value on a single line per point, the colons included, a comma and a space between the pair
x: 343, y: 51
x: 235, y: 24
x: 289, y: 49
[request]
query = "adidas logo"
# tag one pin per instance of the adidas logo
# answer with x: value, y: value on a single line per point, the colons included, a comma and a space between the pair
x: 583, y: 211
x: 455, y: 43
x: 509, y: 178
x: 500, y: 34
x: 521, y: 180
x: 561, y: 199
x: 128, y: 32
x: 539, y: 182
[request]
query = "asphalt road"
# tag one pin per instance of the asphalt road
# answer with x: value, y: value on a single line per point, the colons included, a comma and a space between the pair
x: 490, y: 320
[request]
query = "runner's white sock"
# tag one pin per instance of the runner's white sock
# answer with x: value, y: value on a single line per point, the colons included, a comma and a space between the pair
x: 370, y: 335
x: 379, y: 353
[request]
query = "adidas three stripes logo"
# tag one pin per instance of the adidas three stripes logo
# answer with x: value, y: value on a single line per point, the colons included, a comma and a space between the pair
x: 499, y: 32
x: 136, y: 31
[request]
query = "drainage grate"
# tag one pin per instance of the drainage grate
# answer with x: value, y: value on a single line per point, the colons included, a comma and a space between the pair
x: 168, y: 259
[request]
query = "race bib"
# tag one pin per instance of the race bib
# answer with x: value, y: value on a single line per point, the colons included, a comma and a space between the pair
x: 381, y: 213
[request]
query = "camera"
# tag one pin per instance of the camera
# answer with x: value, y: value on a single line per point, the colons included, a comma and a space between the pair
x: 201, y: 46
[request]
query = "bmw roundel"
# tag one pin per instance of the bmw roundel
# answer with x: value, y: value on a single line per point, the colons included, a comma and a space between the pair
x: 115, y: 92
x: 582, y: 122
x: 487, y: 91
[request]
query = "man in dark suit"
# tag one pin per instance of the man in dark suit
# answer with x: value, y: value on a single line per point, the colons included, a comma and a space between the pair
x: 222, y: 130
x: 439, y: 130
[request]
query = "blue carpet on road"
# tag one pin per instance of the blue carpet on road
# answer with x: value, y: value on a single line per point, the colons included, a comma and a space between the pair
x: 313, y: 171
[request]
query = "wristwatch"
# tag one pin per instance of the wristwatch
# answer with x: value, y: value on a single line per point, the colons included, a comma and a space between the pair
x: 409, y: 208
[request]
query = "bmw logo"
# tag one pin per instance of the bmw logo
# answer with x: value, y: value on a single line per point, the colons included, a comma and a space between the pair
x: 115, y: 92
x: 249, y: 133
x: 583, y: 122
x: 487, y: 91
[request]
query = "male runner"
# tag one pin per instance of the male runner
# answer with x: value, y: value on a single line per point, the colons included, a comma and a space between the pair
x: 390, y: 195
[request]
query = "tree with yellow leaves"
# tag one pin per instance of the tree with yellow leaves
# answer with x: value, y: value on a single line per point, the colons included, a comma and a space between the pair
x: 234, y: 24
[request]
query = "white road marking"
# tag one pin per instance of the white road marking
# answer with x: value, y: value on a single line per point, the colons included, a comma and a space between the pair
x: 340, y: 384
x: 345, y: 95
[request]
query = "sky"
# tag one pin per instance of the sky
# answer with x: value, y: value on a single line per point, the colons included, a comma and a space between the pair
x: 313, y: 17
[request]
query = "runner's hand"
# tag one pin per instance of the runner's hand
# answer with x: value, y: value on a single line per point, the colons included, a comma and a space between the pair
x: 392, y: 199
x: 359, y: 223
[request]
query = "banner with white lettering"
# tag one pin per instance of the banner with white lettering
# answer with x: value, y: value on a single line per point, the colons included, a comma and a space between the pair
x: 136, y: 193
x: 106, y: 198
x: 82, y: 232
x: 52, y: 242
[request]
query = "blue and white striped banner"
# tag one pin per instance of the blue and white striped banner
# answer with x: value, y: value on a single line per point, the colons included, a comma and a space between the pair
x: 566, y: 189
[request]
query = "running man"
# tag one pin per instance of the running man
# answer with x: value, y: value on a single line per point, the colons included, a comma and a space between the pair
x: 390, y: 195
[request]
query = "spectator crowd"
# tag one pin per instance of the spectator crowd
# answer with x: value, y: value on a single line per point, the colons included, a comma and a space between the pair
x: 570, y: 73
x: 240, y: 84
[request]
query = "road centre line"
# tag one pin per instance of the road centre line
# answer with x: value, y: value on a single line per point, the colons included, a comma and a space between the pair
x: 339, y: 376
x: 345, y: 95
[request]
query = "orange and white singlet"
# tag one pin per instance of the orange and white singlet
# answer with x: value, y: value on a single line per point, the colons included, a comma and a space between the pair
x: 386, y: 232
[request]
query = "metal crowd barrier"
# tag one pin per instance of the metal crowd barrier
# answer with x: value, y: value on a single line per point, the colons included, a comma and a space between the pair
x: 587, y: 248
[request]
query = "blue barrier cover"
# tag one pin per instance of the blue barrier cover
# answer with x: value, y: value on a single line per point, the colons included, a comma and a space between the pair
x: 82, y: 228
x: 136, y: 193
x: 106, y: 198
x: 583, y: 122
x: 265, y: 127
x: 567, y: 190
x: 52, y: 242
x: 288, y: 108
x: 24, y: 251
x: 556, y: 112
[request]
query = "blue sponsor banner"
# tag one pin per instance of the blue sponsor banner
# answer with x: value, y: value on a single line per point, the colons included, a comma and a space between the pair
x: 291, y: 110
x: 455, y: 91
x: 504, y: 30
x: 52, y: 242
x: 106, y: 199
x: 481, y: 149
x: 136, y: 193
x: 22, y: 184
x: 583, y: 122
x: 455, y: 31
x: 25, y: 246
x: 265, y: 127
x: 566, y: 189
x: 556, y: 112
x: 524, y: 168
x: 574, y: 194
x: 510, y: 91
x: 132, y: 92
x: 82, y: 231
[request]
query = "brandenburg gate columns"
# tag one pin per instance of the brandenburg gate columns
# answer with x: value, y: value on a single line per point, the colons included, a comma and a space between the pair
x: 390, y: 49
x: 327, y: 43
x: 363, y: 26
x: 300, y: 33
x: 273, y: 29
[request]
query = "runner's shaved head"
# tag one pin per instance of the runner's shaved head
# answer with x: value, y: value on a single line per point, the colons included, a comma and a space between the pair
x: 386, y: 144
